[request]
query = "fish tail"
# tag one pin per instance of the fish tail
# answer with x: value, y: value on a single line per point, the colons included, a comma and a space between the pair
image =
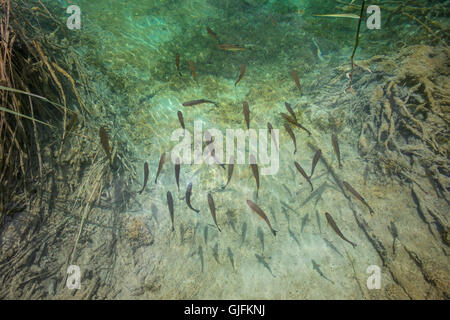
x: 274, y: 232
x: 219, y: 229
x: 353, y: 244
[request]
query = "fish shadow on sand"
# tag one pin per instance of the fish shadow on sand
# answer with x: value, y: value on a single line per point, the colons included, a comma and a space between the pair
x: 231, y: 220
x: 316, y: 267
x: 216, y: 252
x: 292, y: 235
x: 305, y: 219
x: 331, y: 246
x: 262, y: 261
x: 260, y: 235
x: 243, y: 233
x: 200, y: 254
x: 231, y: 257
x: 154, y: 212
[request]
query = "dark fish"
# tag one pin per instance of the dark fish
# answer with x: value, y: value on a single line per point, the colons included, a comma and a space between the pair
x: 261, y: 213
x: 177, y: 63
x: 336, y: 229
x: 335, y: 143
x: 289, y: 130
x: 394, y: 232
x: 181, y: 119
x: 230, y: 170
x: 105, y: 142
x: 273, y: 20
x: 303, y: 173
x: 188, y: 198
x: 269, y: 126
x: 315, y: 160
x: 294, y: 122
x: 213, y: 209
x: 212, y: 33
x: 160, y: 165
x: 199, y: 101
x: 246, y: 113
x: 170, y: 204
x: 177, y: 173
x: 297, y: 82
x: 192, y: 67
x: 289, y: 109
x: 241, y: 74
x: 357, y: 195
x: 254, y: 167
x: 145, y: 176
x: 230, y: 47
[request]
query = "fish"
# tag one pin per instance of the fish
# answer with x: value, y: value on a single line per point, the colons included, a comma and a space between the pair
x: 105, y: 142
x: 289, y: 130
x: 199, y: 101
x: 289, y: 109
x: 393, y: 229
x: 297, y: 82
x: 335, y: 143
x: 160, y: 165
x: 246, y: 113
x: 357, y: 195
x: 213, y: 209
x: 145, y: 176
x: 177, y: 63
x: 273, y: 20
x: 181, y: 119
x: 261, y: 213
x: 230, y: 170
x: 241, y: 74
x: 254, y: 167
x: 192, y: 67
x: 339, y: 15
x: 170, y: 204
x: 262, y: 261
x: 230, y: 256
x: 269, y: 126
x: 177, y: 172
x: 316, y: 267
x: 230, y: 47
x: 303, y: 173
x: 212, y: 33
x: 188, y: 197
x: 336, y: 229
x: 315, y: 160
x: 294, y: 122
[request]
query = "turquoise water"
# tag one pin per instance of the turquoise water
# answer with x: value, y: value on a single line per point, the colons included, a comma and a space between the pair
x: 134, y: 90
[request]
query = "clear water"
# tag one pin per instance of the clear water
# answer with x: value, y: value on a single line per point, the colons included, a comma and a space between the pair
x: 128, y: 250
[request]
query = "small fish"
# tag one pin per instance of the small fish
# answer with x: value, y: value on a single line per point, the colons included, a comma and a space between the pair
x: 289, y: 130
x: 170, y: 204
x: 212, y: 33
x: 294, y: 122
x: 199, y: 101
x: 177, y: 63
x: 269, y: 126
x: 315, y: 160
x: 336, y: 229
x: 230, y: 170
x: 246, y: 113
x: 105, y: 142
x: 297, y: 82
x: 289, y: 109
x: 160, y: 165
x: 254, y: 167
x: 213, y: 209
x: 273, y: 20
x: 335, y: 143
x: 181, y: 119
x: 357, y: 195
x: 145, y: 176
x: 230, y: 47
x: 261, y: 213
x: 394, y: 232
x: 177, y: 172
x: 192, y: 67
x: 188, y: 198
x: 241, y: 74
x: 303, y: 173
x: 339, y: 15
